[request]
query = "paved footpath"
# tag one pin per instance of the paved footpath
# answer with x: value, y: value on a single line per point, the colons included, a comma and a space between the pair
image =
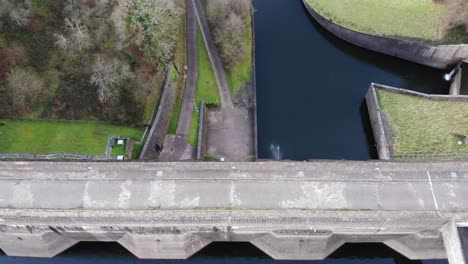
x: 230, y: 129
x: 177, y: 145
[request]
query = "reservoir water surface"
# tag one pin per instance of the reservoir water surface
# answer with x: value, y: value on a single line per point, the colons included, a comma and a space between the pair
x: 311, y: 86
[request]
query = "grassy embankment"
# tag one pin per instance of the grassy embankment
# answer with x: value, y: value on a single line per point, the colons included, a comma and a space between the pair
x: 409, y: 19
x: 207, y: 88
x: 180, y: 60
x: 45, y: 137
x: 242, y: 72
x: 425, y: 126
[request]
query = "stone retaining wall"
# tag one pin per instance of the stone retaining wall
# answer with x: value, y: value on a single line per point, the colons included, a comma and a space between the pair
x: 441, y: 56
x: 154, y: 142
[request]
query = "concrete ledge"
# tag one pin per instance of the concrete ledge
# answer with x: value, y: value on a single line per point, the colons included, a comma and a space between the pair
x: 380, y: 137
x: 442, y: 56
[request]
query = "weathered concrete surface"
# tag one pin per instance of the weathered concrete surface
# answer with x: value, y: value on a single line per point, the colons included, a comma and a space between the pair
x: 442, y: 56
x: 453, y: 244
x: 231, y: 133
x: 290, y: 210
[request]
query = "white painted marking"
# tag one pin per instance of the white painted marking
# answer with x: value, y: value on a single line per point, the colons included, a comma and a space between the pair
x: 432, y: 191
x: 159, y: 173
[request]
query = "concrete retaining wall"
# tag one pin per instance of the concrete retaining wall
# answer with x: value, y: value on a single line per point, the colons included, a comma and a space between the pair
x: 456, y: 83
x: 380, y: 137
x: 442, y: 56
x: 154, y: 142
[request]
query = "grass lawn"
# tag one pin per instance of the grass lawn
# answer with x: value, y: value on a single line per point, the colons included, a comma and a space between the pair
x: 207, y: 88
x: 425, y: 126
x: 194, y: 125
x: 43, y: 137
x: 415, y: 19
x: 242, y: 73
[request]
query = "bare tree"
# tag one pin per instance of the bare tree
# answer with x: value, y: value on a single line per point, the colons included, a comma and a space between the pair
x: 107, y: 76
x: 77, y: 39
x: 24, y: 88
x: 16, y: 12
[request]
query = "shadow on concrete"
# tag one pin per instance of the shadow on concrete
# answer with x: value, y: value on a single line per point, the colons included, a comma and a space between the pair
x: 366, y: 123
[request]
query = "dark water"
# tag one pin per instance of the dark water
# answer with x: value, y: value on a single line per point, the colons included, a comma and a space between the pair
x: 311, y: 86
x: 463, y: 233
x: 218, y: 253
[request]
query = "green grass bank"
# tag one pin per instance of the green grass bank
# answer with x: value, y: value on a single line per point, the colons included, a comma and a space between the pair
x: 408, y: 19
x: 46, y: 137
x: 424, y: 126
x: 207, y: 88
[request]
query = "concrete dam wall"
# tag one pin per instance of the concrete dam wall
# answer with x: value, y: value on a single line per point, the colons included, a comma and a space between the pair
x: 306, y: 210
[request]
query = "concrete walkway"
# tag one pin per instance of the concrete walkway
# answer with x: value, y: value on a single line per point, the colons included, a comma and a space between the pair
x: 230, y: 129
x: 176, y: 146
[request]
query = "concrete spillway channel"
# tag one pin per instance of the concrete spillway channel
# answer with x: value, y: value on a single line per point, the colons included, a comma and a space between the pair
x: 172, y: 210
